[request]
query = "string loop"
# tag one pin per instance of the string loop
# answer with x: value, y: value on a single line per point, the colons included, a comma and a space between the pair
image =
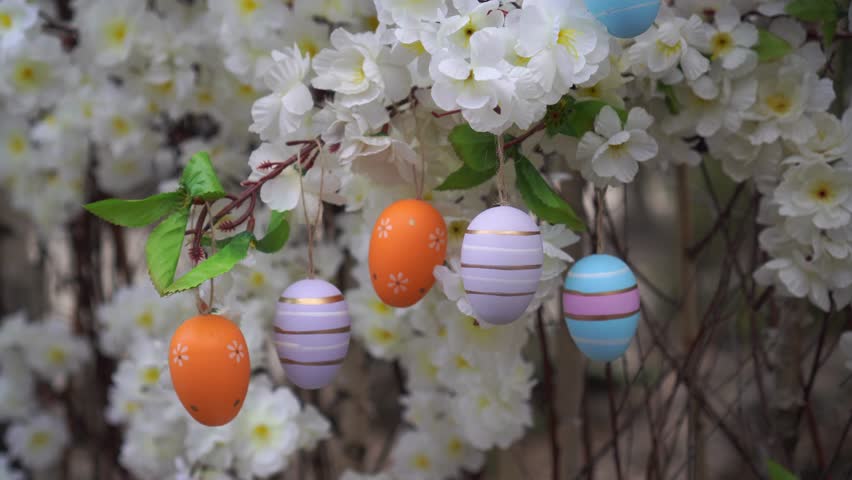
x: 501, y: 174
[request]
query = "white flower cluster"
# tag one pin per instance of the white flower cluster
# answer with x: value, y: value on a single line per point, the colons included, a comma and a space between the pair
x: 161, y: 439
x: 32, y: 354
x: 114, y: 99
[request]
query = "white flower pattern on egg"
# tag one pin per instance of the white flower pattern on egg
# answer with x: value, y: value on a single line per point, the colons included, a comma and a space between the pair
x: 437, y: 239
x: 180, y: 354
x: 237, y: 351
x: 385, y: 227
x: 397, y: 283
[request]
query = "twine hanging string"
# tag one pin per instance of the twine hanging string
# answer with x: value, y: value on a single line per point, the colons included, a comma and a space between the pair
x: 419, y: 179
x: 501, y: 174
x: 204, y: 308
x: 600, y: 193
x: 311, y: 226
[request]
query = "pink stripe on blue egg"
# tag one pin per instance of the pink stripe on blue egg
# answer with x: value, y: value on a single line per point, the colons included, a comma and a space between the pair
x: 312, y: 332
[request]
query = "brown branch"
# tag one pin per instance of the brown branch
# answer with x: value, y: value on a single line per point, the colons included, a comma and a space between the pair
x: 613, y: 420
x: 532, y: 131
x: 549, y: 395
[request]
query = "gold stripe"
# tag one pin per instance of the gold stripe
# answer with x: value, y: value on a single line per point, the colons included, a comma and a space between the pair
x: 600, y: 294
x: 312, y: 301
x: 311, y: 332
x: 311, y: 364
x: 502, y: 232
x: 498, y: 294
x: 602, y: 317
x: 502, y: 267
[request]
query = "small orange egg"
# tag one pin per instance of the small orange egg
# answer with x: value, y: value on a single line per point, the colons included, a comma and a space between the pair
x: 408, y: 242
x: 210, y: 367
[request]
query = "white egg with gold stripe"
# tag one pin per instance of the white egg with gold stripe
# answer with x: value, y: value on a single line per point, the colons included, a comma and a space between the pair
x: 501, y: 264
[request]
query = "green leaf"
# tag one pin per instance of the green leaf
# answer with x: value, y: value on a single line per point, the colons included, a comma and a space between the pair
x: 136, y: 213
x: 672, y: 103
x: 813, y: 10
x: 464, y: 178
x: 541, y: 199
x: 219, y: 263
x: 162, y: 251
x: 777, y: 472
x: 277, y: 233
x: 199, y: 178
x: 477, y: 150
x: 579, y: 118
x: 770, y: 47
x: 829, y: 29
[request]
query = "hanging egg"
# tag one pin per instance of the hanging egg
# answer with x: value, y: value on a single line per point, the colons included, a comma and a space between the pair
x: 625, y: 18
x: 501, y: 264
x: 210, y: 368
x: 312, y: 332
x: 408, y: 242
x: 601, y: 305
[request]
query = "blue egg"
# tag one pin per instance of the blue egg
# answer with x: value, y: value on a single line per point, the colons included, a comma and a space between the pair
x: 602, y: 306
x: 625, y: 18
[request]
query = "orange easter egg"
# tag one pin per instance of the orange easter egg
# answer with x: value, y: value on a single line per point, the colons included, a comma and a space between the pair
x: 210, y: 368
x: 408, y: 241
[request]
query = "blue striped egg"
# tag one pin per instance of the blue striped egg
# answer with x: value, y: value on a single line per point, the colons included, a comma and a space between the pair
x: 312, y: 332
x: 602, y: 306
x: 625, y: 18
x: 501, y: 263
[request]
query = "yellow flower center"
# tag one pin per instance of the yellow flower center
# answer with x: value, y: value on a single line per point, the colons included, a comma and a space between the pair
x: 150, y: 375
x: 5, y: 21
x: 455, y: 446
x: 39, y: 439
x: 257, y: 279
x: 120, y: 126
x: 594, y: 91
x: 205, y: 97
x: 116, y: 32
x: 247, y: 7
x: 484, y: 402
x: 164, y: 88
x: 372, y: 23
x: 246, y: 90
x: 380, y: 307
x: 417, y: 47
x: 145, y: 320
x: 823, y: 192
x: 721, y: 44
x: 56, y: 356
x: 779, y: 103
x: 421, y: 462
x: 566, y: 38
x: 381, y: 335
x: 131, y: 407
x: 88, y: 111
x: 668, y: 50
x: 17, y: 144
x: 309, y: 46
x: 462, y: 363
x: 261, y: 433
x: 28, y: 75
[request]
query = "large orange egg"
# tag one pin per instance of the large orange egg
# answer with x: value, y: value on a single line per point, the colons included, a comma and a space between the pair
x: 408, y: 241
x: 210, y: 367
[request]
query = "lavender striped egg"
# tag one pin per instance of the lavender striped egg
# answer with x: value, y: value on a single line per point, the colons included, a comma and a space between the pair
x: 501, y: 264
x: 311, y: 332
x: 602, y: 306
